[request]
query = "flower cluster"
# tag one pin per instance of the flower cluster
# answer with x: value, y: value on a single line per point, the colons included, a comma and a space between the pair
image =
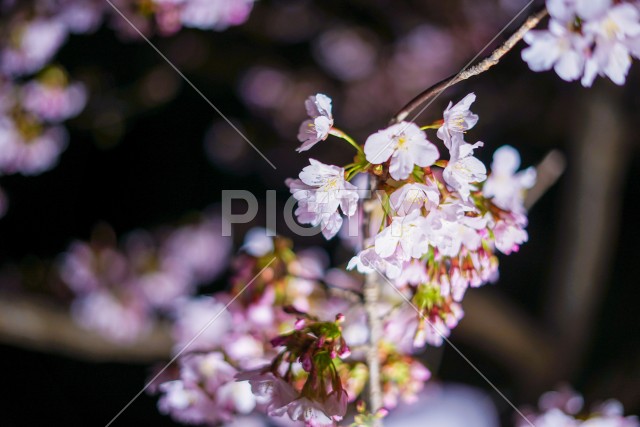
x: 434, y: 227
x: 307, y: 358
x: 587, y: 38
x: 312, y: 368
x: 564, y: 408
x: 119, y: 289
x: 31, y: 137
x: 443, y: 220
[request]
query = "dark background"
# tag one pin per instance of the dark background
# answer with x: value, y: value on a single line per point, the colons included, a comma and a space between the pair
x: 137, y: 163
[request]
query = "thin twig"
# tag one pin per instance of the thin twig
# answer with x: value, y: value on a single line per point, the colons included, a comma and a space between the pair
x: 471, y: 71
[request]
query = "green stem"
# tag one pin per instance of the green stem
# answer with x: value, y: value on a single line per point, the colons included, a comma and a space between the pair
x: 340, y: 134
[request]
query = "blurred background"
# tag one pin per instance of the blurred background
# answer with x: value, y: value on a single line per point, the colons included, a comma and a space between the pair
x: 148, y: 156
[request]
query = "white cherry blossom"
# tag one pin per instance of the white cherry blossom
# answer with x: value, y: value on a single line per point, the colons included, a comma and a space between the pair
x: 317, y: 128
x: 457, y: 120
x: 405, y: 144
x: 412, y: 197
x: 368, y: 261
x: 504, y: 185
x: 611, y: 28
x: 558, y: 48
x: 463, y: 170
x: 320, y: 190
x: 455, y: 231
x: 404, y: 239
x: 311, y: 412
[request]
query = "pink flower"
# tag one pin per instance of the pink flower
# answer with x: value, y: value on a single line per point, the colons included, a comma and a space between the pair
x: 509, y: 236
x: 368, y: 261
x: 187, y: 404
x: 586, y: 38
x: 195, y: 318
x: 413, y: 273
x: 405, y: 144
x: 504, y: 185
x: 258, y: 242
x: 611, y: 27
x: 270, y: 390
x: 54, y: 103
x: 317, y: 129
x: 404, y: 239
x: 311, y: 412
x: 33, y: 155
x: 199, y: 249
x: 558, y: 48
x: 215, y: 14
x: 87, y: 269
x: 463, y: 170
x: 209, y: 371
x: 37, y: 42
x: 121, y: 319
x: 320, y: 191
x: 410, y: 197
x: 457, y: 120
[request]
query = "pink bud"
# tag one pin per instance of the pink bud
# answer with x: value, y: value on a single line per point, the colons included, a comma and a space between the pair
x: 300, y: 324
x: 382, y: 412
x: 344, y: 352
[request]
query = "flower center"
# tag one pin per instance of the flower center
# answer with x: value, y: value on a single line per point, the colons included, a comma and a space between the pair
x: 401, y: 140
x: 332, y: 184
x: 611, y: 28
x: 458, y: 123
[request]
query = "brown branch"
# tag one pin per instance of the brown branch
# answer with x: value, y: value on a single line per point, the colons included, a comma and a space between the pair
x: 548, y: 171
x: 32, y: 323
x: 435, y: 90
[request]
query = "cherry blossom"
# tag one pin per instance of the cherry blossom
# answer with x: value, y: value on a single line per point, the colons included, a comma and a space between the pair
x: 565, y: 409
x: 457, y: 120
x: 271, y: 391
x: 463, y: 170
x: 404, y: 238
x: 194, y: 326
x: 317, y: 129
x: 30, y: 154
x: 38, y: 41
x: 369, y: 261
x: 405, y: 144
x: 611, y: 27
x: 410, y: 197
x: 54, y: 103
x: 320, y: 190
x: 504, y: 185
x: 585, y: 39
x: 558, y: 48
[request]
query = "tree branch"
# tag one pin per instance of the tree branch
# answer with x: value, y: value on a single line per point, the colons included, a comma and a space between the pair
x: 371, y: 298
x: 30, y: 322
x: 435, y: 90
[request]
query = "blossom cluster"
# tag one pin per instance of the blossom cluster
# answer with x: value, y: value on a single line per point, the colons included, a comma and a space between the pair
x: 439, y: 222
x: 565, y: 408
x: 118, y: 290
x: 284, y: 342
x: 586, y: 39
